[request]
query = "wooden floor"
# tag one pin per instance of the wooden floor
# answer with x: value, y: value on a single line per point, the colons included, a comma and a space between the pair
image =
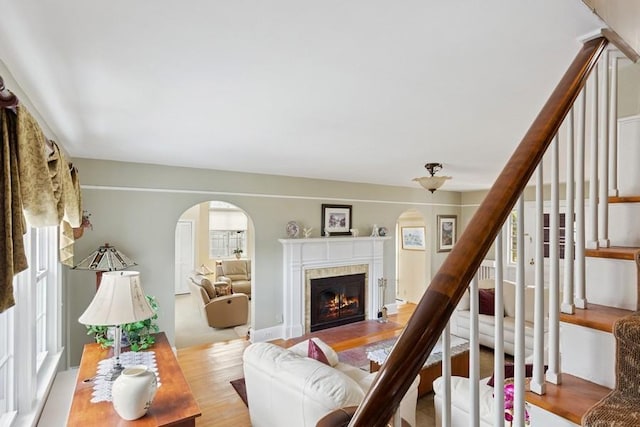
x: 209, y: 368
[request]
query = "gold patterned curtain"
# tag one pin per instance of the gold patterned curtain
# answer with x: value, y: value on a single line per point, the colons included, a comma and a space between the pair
x: 37, y: 184
x: 12, y: 224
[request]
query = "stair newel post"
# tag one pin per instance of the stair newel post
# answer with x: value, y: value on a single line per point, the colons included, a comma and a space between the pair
x: 603, y: 127
x: 553, y: 374
x: 613, y: 128
x: 567, y: 294
x: 592, y: 238
x: 580, y: 283
x: 498, y: 354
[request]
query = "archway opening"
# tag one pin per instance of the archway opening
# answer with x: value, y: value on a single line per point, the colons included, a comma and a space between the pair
x: 210, y: 237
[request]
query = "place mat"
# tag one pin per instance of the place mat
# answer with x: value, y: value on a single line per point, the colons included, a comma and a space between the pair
x: 241, y: 388
x: 378, y: 353
x: 358, y: 356
x: 102, y: 387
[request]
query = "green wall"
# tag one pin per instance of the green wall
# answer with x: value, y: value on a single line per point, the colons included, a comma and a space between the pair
x: 135, y: 207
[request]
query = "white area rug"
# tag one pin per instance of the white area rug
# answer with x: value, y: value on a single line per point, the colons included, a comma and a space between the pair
x: 192, y: 329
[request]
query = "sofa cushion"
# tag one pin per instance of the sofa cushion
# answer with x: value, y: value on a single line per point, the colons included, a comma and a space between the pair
x: 486, y: 301
x: 464, y: 303
x: 314, y: 352
x: 302, y: 349
x: 235, y: 270
x: 208, y: 286
x: 461, y: 396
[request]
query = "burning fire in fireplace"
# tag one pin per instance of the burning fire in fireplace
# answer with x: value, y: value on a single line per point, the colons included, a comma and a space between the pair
x: 337, y: 301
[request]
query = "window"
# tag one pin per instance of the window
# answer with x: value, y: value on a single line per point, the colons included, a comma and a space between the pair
x: 30, y: 331
x: 227, y: 230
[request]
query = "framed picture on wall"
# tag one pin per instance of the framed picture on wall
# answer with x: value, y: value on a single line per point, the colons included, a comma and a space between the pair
x: 336, y: 220
x: 413, y: 238
x: 447, y: 232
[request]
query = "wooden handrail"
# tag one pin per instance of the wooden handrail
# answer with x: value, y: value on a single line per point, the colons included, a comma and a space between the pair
x: 447, y: 287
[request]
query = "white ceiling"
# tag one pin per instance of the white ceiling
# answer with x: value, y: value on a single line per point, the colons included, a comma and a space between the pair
x: 361, y: 90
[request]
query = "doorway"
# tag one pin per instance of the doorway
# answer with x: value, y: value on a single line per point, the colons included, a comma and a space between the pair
x: 207, y: 234
x: 413, y: 267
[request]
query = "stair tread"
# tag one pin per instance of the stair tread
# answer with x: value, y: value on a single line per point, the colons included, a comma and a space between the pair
x: 570, y: 400
x: 615, y: 252
x: 595, y: 316
x: 624, y: 199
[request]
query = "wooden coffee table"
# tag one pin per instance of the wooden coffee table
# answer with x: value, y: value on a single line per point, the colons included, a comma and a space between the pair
x: 432, y: 368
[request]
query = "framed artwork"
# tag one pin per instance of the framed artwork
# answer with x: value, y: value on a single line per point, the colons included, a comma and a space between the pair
x: 336, y: 219
x: 447, y: 232
x: 413, y: 238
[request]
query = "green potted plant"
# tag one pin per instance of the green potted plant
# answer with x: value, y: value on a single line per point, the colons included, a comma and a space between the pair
x: 137, y: 335
x: 237, y: 252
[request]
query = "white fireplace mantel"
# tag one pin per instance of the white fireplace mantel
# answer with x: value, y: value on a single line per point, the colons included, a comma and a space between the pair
x: 300, y: 255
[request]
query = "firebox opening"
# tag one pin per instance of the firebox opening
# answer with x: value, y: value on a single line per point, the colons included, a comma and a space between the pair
x: 337, y: 301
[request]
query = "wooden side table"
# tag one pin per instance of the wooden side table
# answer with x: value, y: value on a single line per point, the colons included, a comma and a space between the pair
x: 174, y: 403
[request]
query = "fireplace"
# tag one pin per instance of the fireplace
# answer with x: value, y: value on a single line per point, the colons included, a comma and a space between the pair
x: 337, y: 300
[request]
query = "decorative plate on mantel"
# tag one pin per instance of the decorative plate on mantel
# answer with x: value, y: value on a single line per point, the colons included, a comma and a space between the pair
x: 293, y: 229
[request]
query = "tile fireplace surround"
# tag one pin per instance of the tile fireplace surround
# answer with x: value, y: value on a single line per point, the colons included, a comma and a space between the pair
x: 306, y: 259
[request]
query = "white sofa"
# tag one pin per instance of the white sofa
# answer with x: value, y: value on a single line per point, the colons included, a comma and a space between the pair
x: 486, y: 323
x: 286, y: 388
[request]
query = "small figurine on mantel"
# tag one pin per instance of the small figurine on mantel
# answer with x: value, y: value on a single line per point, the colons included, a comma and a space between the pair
x: 306, y: 232
x: 374, y: 231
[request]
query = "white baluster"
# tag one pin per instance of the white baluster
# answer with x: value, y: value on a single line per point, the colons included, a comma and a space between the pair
x: 537, y: 382
x: 446, y: 375
x: 498, y: 354
x: 474, y: 356
x: 553, y: 374
x: 567, y: 294
x: 603, y: 126
x: 580, y: 284
x: 613, y: 128
x: 592, y: 242
x: 519, y: 356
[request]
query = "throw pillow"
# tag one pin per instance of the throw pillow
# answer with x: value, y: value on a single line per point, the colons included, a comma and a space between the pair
x: 206, y: 284
x: 486, y: 301
x: 509, y: 371
x: 314, y: 352
x: 302, y: 349
x: 223, y: 289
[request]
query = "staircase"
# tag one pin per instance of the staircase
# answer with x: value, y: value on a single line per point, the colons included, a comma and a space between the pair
x: 599, y: 284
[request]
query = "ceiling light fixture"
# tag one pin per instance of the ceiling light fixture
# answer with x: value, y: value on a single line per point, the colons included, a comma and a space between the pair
x: 432, y: 183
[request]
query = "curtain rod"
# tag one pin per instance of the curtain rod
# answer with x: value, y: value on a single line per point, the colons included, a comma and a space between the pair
x: 7, y: 98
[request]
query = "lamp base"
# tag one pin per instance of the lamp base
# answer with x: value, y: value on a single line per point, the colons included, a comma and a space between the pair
x: 115, y: 372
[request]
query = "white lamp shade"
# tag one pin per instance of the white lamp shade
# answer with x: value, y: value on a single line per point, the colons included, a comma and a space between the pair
x: 119, y: 300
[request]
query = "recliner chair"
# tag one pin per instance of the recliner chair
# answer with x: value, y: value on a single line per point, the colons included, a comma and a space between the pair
x: 237, y: 273
x: 219, y: 311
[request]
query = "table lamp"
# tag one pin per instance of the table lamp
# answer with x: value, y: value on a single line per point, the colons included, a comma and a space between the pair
x: 105, y: 258
x: 119, y: 300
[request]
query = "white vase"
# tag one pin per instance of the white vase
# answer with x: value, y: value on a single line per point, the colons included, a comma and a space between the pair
x: 133, y: 391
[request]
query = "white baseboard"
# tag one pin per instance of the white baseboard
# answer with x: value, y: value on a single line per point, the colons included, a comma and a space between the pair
x: 267, y: 334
